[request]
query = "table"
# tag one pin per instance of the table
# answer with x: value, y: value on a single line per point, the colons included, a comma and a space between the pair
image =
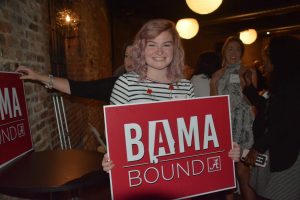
x: 52, y: 171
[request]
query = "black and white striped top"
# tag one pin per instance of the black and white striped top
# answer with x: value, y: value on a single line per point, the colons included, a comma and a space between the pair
x: 130, y: 89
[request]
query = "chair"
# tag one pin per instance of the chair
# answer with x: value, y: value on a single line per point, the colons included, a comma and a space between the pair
x: 102, y: 147
x: 61, y: 121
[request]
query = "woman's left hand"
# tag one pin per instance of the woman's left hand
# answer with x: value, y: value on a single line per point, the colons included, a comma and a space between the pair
x: 235, y: 152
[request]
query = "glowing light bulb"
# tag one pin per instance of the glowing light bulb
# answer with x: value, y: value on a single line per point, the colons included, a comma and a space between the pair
x: 248, y: 36
x: 68, y: 18
x: 203, y: 6
x: 187, y: 28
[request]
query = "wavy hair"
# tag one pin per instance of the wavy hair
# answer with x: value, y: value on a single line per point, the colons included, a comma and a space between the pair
x: 151, y: 30
x: 232, y: 39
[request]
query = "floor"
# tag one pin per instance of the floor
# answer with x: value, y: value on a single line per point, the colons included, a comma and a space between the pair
x: 96, y: 193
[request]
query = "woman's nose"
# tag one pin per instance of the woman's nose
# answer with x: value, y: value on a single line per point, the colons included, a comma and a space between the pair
x: 159, y: 50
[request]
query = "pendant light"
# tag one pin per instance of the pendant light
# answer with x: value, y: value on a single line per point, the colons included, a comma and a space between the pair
x: 187, y: 28
x: 203, y: 6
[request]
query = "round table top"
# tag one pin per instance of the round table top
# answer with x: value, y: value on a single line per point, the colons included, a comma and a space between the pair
x: 53, y: 171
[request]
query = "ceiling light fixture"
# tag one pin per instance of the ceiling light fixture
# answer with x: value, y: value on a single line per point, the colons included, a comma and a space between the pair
x: 187, y: 28
x: 248, y: 36
x: 203, y: 6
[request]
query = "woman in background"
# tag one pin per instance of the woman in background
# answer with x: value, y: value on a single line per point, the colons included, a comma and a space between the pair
x: 280, y: 135
x: 207, y: 64
x: 127, y: 65
x: 228, y: 81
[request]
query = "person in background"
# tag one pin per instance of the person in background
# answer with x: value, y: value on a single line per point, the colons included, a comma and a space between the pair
x: 261, y: 79
x: 158, y: 59
x: 127, y: 65
x: 188, y: 71
x: 279, y: 135
x: 97, y: 89
x: 207, y: 64
x: 227, y: 81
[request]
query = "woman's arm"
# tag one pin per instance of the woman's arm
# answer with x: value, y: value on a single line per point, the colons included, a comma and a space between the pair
x: 214, y: 81
x: 98, y: 89
x: 249, y: 80
x: 60, y: 84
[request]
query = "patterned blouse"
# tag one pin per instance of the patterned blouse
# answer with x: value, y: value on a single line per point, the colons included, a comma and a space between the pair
x: 241, y: 115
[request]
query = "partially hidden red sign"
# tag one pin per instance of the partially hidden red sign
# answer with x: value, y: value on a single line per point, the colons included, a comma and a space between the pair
x: 170, y: 149
x: 15, y: 137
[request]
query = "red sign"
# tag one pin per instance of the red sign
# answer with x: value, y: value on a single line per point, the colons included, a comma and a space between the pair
x: 171, y: 149
x: 15, y: 137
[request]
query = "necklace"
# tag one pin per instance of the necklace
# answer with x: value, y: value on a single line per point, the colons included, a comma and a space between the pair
x: 149, y: 90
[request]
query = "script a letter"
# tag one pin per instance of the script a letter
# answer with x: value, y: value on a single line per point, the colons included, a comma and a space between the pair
x: 160, y: 137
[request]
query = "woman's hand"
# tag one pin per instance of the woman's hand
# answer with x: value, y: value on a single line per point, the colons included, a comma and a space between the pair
x: 107, y: 164
x: 251, y: 157
x: 235, y: 152
x: 27, y: 73
x: 247, y: 78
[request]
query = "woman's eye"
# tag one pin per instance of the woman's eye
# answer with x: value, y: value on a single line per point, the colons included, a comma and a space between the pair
x: 150, y: 45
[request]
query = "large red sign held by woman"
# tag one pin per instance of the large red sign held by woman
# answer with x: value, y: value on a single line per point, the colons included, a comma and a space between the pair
x: 15, y: 137
x: 171, y: 149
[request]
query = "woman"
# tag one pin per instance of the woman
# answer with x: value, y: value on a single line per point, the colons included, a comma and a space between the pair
x: 207, y: 64
x: 228, y: 81
x: 158, y: 60
x: 127, y: 65
x: 280, y: 137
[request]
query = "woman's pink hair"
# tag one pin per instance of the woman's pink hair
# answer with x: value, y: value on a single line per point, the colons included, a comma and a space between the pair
x: 150, y: 30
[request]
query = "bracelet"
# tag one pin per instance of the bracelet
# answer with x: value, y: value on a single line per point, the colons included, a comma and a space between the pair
x: 49, y: 85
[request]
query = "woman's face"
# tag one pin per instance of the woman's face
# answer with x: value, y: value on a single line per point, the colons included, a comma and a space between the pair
x: 128, y: 58
x: 159, y: 51
x: 233, y: 53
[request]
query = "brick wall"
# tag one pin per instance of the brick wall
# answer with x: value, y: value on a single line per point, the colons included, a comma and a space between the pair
x: 24, y: 39
x: 88, y: 56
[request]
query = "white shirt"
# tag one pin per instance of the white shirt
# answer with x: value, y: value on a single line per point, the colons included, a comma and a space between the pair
x: 201, y: 85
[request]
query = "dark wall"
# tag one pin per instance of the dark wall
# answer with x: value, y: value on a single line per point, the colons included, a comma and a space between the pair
x: 124, y: 29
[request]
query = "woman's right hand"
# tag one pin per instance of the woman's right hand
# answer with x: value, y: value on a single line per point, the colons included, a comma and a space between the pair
x: 27, y: 73
x: 107, y: 164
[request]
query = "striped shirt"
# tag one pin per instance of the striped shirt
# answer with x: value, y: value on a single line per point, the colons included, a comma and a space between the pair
x: 130, y: 89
